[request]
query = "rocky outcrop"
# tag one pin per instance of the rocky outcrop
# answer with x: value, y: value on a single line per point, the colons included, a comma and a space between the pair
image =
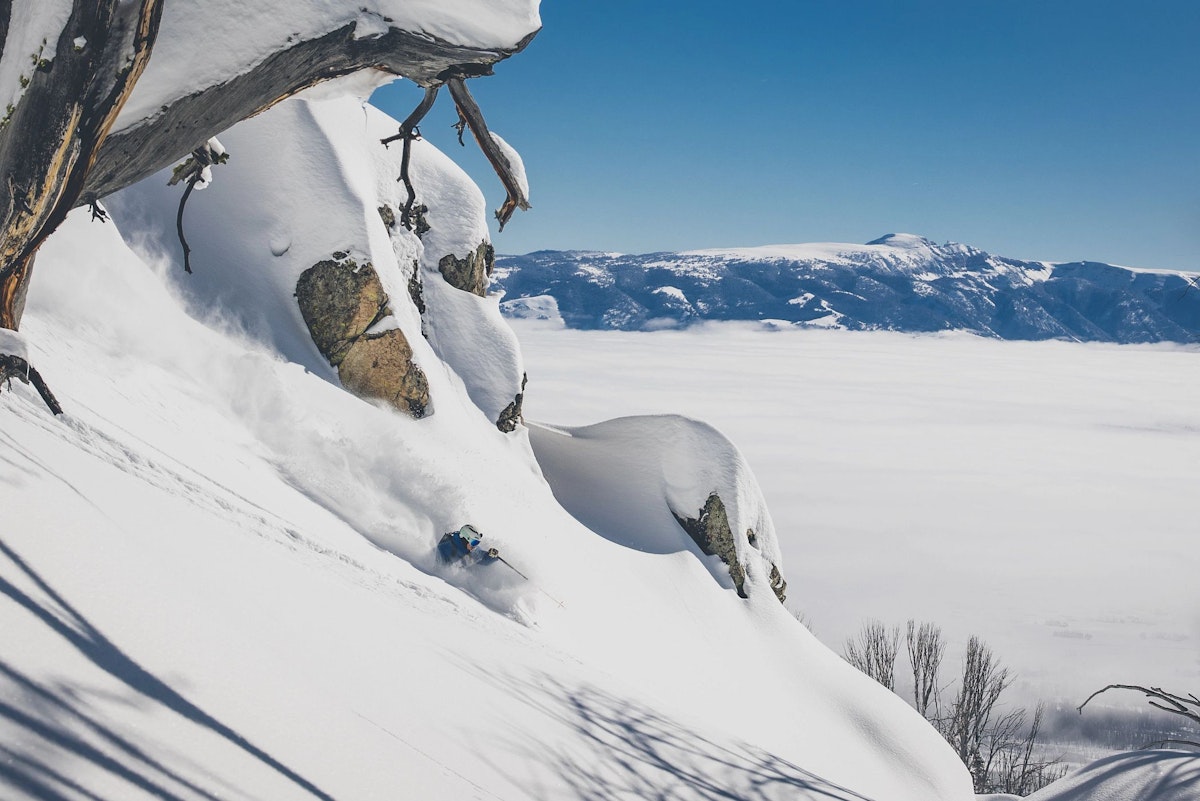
x: 711, y: 531
x: 469, y: 274
x: 341, y: 301
x: 511, y: 416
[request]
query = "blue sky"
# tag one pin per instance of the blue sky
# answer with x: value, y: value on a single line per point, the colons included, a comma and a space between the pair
x: 1042, y: 129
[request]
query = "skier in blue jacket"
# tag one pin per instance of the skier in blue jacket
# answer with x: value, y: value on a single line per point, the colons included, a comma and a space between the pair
x: 463, y: 544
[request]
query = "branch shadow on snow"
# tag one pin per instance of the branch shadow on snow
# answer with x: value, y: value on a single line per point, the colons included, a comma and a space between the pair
x: 1178, y: 776
x: 45, y: 722
x: 636, y: 752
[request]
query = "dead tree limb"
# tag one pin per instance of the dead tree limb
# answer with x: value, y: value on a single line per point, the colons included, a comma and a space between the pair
x: 1186, y: 705
x: 409, y: 126
x: 409, y: 132
x: 141, y: 148
x: 469, y: 112
x: 195, y: 171
x: 15, y: 367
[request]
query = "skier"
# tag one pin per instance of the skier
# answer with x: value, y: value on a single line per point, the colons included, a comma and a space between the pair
x: 464, y: 544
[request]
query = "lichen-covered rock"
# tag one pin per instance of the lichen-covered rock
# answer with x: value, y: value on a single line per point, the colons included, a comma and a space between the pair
x: 511, y: 416
x: 778, y: 583
x: 711, y: 532
x: 469, y: 274
x: 388, y: 215
x: 340, y: 302
x: 382, y: 367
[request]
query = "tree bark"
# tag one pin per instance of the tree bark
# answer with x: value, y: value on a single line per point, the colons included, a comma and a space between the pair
x: 52, y: 138
x: 471, y: 117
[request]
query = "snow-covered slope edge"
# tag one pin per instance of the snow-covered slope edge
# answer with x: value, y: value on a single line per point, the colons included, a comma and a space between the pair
x: 218, y: 580
x: 900, y: 282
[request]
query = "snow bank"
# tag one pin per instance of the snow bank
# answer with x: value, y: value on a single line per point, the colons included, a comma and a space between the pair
x: 630, y: 478
x: 1137, y: 776
x: 238, y: 34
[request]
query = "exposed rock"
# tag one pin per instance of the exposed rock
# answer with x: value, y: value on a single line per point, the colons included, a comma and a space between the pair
x: 711, y: 532
x: 470, y: 274
x: 511, y: 417
x: 415, y: 290
x: 778, y: 583
x: 340, y: 301
x: 388, y: 215
x: 382, y: 367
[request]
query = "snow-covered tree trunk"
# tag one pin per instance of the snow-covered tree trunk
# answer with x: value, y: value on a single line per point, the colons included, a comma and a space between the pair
x: 67, y: 96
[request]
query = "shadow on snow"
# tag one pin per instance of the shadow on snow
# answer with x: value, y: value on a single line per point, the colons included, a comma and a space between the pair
x: 49, y: 724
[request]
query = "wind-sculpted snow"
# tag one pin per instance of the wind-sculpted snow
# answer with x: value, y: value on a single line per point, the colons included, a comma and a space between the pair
x: 631, y: 479
x: 899, y: 283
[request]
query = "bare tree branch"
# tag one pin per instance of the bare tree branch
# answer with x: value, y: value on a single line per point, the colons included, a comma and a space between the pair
x: 409, y: 132
x: 470, y: 113
x: 1175, y: 704
x: 194, y: 172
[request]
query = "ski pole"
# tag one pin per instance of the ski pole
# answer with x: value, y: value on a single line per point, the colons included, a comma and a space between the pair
x: 496, y: 555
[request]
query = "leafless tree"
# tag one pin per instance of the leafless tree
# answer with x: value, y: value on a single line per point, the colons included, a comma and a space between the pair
x: 998, y: 746
x: 926, y: 648
x: 983, y: 681
x: 874, y: 652
x: 1011, y: 762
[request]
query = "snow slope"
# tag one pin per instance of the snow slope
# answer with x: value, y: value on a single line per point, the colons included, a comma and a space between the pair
x: 217, y: 578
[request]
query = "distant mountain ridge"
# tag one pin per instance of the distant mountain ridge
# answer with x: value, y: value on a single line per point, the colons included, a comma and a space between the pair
x: 899, y: 282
